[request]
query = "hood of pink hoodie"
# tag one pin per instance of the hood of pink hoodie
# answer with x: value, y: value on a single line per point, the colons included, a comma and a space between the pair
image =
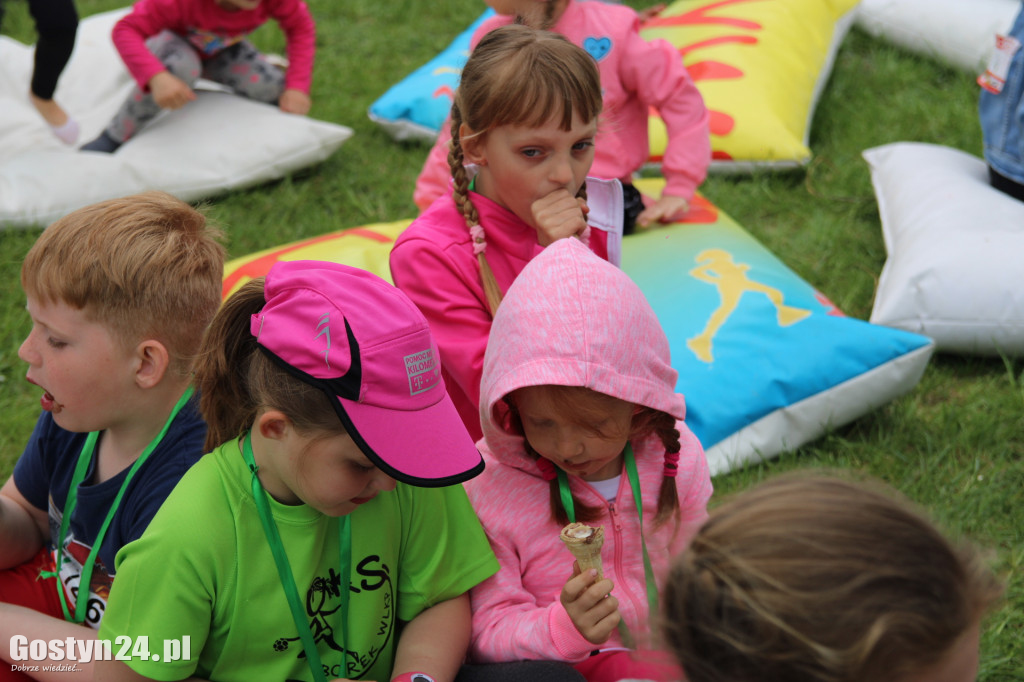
x: 573, y: 319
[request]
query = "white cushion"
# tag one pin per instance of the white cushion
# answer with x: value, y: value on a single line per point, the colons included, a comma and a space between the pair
x: 954, y: 248
x: 217, y: 143
x: 960, y: 33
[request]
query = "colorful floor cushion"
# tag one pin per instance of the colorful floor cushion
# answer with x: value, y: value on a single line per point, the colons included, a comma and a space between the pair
x: 766, y: 362
x: 954, y: 248
x: 415, y: 107
x: 190, y: 152
x: 760, y: 65
x: 361, y: 247
x: 959, y: 33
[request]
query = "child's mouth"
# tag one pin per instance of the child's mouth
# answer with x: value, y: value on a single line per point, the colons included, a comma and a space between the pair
x: 49, y: 404
x: 47, y: 401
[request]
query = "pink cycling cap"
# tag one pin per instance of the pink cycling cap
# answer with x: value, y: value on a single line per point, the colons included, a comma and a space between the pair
x: 365, y: 344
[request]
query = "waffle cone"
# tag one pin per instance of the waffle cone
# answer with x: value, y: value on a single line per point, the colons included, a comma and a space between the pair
x: 585, y: 544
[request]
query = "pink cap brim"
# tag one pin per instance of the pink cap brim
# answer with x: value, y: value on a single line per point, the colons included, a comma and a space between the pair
x: 448, y: 454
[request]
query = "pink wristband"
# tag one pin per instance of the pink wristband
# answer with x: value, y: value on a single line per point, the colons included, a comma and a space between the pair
x: 413, y: 677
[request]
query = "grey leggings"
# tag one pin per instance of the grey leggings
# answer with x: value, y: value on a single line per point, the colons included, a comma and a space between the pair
x: 241, y: 67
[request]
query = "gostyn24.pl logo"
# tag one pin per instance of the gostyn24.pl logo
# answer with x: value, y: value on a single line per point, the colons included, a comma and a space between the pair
x: 85, y: 650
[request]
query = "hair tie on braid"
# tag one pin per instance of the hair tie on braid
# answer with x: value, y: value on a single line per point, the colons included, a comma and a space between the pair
x: 585, y: 236
x: 547, y: 469
x: 671, y: 464
x: 479, y: 241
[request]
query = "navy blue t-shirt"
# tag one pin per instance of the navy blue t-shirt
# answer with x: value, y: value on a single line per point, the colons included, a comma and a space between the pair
x: 43, y: 476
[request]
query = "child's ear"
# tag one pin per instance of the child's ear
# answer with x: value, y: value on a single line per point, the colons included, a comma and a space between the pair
x: 152, y: 361
x: 273, y: 424
x: 472, y: 146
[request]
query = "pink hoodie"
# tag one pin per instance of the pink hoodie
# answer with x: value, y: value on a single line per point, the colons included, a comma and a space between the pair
x: 636, y: 74
x: 572, y: 319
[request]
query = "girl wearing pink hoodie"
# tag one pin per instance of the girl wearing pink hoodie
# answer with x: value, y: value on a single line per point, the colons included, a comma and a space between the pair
x: 581, y: 422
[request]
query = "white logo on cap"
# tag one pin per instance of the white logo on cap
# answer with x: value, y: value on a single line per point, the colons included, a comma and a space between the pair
x: 325, y: 330
x: 422, y: 371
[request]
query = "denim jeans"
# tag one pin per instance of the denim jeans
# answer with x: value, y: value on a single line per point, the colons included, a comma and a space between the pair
x: 1002, y: 116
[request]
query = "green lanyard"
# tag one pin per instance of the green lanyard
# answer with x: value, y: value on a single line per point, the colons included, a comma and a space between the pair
x: 284, y: 569
x: 84, y: 459
x: 634, y: 481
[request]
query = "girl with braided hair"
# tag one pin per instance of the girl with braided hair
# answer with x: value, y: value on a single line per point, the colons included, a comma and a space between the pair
x: 581, y: 423
x: 525, y: 116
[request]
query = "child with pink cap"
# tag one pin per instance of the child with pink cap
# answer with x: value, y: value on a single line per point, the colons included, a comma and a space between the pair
x: 325, y: 536
x: 582, y: 423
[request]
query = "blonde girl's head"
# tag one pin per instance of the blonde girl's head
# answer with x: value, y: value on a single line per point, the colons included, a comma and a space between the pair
x: 524, y: 77
x: 819, y: 579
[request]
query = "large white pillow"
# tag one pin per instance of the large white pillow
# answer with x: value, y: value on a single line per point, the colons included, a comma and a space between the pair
x: 955, y: 246
x: 217, y: 143
x: 960, y: 33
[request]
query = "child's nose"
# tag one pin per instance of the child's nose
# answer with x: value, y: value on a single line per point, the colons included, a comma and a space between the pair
x: 26, y: 351
x: 384, y: 482
x: 568, y: 448
x: 561, y: 170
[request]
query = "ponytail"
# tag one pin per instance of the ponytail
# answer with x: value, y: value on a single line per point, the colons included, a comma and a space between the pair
x: 221, y: 370
x: 236, y: 381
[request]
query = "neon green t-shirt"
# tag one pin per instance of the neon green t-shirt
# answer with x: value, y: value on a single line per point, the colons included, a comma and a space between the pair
x: 203, y: 569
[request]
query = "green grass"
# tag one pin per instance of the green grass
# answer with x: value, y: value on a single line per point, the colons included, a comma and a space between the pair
x: 954, y: 444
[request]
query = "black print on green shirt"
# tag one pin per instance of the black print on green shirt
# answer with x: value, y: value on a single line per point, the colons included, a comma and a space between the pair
x: 371, y: 600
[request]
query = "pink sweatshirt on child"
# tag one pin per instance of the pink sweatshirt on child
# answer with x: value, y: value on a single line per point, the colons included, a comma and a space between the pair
x: 572, y: 319
x: 433, y: 263
x: 636, y: 75
x: 211, y: 28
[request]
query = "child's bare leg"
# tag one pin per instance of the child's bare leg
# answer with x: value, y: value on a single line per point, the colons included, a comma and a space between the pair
x: 51, y: 112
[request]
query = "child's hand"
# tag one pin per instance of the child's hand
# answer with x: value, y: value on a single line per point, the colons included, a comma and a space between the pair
x: 295, y: 102
x: 169, y: 91
x: 668, y: 209
x: 559, y: 215
x: 593, y: 611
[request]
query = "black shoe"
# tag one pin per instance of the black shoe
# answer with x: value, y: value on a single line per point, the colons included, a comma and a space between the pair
x: 104, y: 143
x: 632, y: 206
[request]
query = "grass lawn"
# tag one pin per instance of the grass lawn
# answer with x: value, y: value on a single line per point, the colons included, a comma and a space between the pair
x: 954, y: 444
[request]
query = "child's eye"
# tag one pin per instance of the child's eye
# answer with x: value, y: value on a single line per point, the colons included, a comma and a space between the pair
x: 531, y: 153
x: 55, y: 343
x: 361, y: 468
x: 583, y: 145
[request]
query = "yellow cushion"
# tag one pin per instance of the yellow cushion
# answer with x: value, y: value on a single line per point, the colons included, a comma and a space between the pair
x: 760, y: 66
x: 365, y: 247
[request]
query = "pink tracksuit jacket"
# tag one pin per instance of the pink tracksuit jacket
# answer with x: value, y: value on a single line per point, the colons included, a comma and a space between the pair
x: 209, y: 27
x: 433, y: 263
x: 572, y: 319
x: 636, y: 75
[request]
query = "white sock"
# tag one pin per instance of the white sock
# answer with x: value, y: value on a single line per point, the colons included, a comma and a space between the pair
x: 67, y: 133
